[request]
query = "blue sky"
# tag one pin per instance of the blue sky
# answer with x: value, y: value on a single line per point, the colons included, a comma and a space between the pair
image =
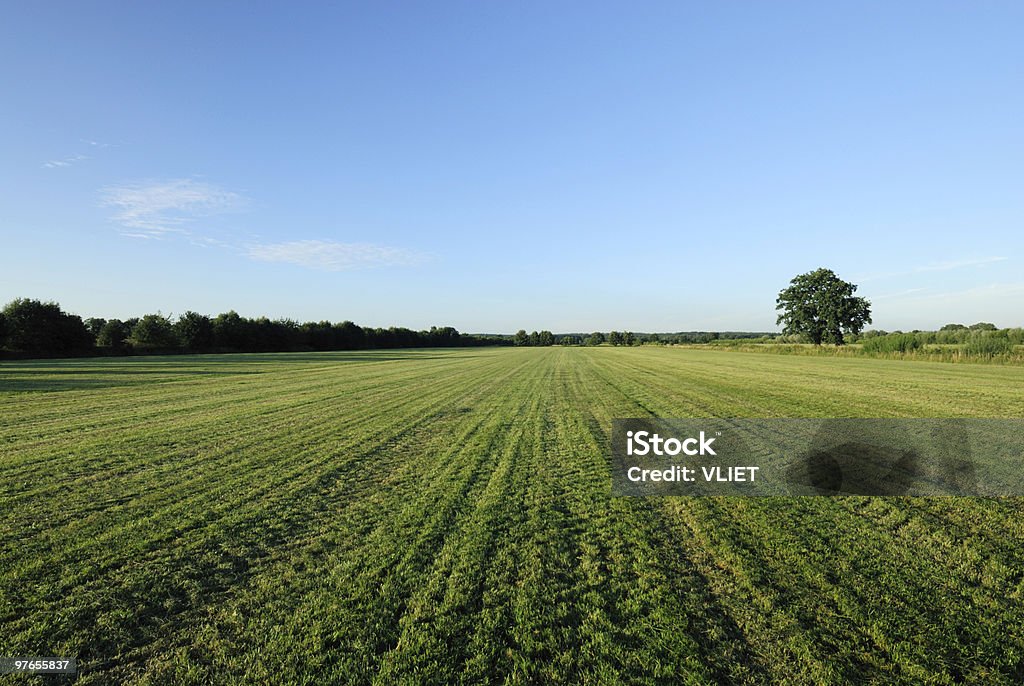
x: 491, y: 166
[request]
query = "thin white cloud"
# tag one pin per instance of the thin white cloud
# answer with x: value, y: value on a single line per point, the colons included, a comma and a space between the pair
x: 988, y: 291
x: 901, y: 294
x: 333, y: 256
x: 210, y: 241
x: 159, y: 209
x: 66, y: 162
x: 958, y: 264
x: 992, y: 302
x: 155, y: 209
x: 932, y: 267
x: 94, y: 146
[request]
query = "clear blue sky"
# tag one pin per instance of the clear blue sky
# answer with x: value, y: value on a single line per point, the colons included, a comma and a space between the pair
x: 491, y: 166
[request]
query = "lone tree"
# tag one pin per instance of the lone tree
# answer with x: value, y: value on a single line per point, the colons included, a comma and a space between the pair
x: 822, y: 306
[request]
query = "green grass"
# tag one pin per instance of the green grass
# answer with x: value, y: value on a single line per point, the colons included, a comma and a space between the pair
x: 997, y: 351
x: 444, y: 517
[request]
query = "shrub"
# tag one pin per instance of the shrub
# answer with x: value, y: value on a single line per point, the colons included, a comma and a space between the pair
x: 892, y: 343
x: 988, y: 346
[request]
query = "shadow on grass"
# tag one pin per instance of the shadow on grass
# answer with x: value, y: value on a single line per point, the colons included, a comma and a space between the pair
x: 94, y: 373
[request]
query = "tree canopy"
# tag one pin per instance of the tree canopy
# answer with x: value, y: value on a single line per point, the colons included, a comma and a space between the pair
x: 153, y: 331
x: 822, y: 307
x: 30, y: 328
x: 43, y: 328
x: 194, y: 331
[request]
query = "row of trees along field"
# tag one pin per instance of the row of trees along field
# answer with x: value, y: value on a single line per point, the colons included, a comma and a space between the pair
x: 546, y: 338
x: 615, y: 338
x: 30, y: 328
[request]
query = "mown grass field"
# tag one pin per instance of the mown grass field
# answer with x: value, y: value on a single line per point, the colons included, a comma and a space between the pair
x: 444, y: 517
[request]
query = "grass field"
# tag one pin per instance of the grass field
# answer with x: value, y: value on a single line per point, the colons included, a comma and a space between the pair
x: 444, y: 517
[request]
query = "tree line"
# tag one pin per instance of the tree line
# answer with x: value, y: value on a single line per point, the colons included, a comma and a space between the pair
x: 31, y: 328
x: 545, y: 338
x: 616, y: 338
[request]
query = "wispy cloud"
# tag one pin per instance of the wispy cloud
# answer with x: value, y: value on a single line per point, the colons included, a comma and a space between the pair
x: 156, y: 208
x: 334, y: 256
x: 993, y: 302
x: 957, y: 264
x: 988, y: 291
x: 66, y: 162
x: 900, y: 294
x: 94, y: 146
x: 180, y: 207
x: 946, y: 266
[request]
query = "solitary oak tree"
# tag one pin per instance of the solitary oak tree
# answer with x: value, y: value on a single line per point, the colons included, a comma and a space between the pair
x: 822, y: 307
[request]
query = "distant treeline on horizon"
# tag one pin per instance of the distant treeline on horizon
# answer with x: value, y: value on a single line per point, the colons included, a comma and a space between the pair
x: 36, y: 329
x: 32, y: 328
